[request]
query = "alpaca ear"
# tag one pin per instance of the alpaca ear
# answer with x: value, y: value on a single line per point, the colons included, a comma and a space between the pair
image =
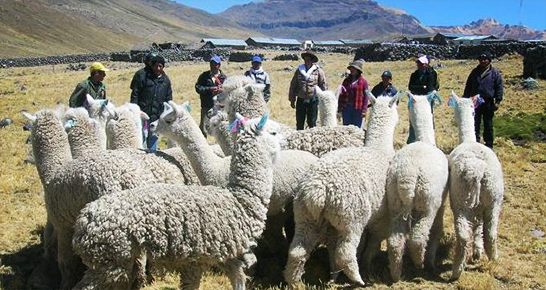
x: 396, y: 97
x: 339, y: 91
x: 411, y: 100
x: 187, y: 106
x: 59, y: 111
x: 318, y: 90
x: 144, y: 116
x: 373, y: 99
x: 260, y: 126
x: 452, y: 102
x: 174, y: 107
x: 89, y: 101
x: 168, y: 109
x: 31, y: 117
x: 434, y: 98
x: 69, y: 124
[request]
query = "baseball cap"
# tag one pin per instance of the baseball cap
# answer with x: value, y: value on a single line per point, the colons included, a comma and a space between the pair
x: 486, y: 55
x: 97, y: 66
x: 148, y: 57
x: 387, y: 73
x: 216, y: 59
x: 423, y: 59
x: 256, y: 58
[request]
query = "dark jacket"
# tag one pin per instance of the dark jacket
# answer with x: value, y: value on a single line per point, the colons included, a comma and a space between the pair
x: 204, y: 86
x: 489, y: 86
x: 150, y: 92
x: 422, y: 83
x: 379, y: 90
x: 97, y: 91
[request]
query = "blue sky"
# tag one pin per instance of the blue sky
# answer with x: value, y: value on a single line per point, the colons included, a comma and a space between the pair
x: 437, y: 12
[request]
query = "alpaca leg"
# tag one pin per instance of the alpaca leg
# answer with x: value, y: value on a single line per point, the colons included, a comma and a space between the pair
x: 305, y: 239
x: 235, y: 272
x: 477, y: 240
x: 463, y: 232
x: 373, y: 246
x: 70, y: 264
x: 139, y: 271
x: 419, y: 235
x: 345, y: 255
x: 330, y: 246
x: 92, y: 279
x: 491, y: 223
x: 396, y: 244
x: 190, y: 277
x: 434, y: 240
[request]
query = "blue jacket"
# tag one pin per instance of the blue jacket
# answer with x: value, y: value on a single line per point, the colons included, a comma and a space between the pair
x: 489, y: 86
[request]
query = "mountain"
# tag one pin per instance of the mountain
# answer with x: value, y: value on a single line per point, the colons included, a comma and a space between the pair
x: 324, y: 19
x: 56, y: 27
x: 492, y: 26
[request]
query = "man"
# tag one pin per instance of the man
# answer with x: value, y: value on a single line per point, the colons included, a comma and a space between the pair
x: 485, y: 81
x: 302, y: 94
x: 257, y: 73
x: 92, y: 86
x: 149, y: 92
x: 385, y: 87
x: 422, y: 82
x: 141, y: 73
x: 209, y: 84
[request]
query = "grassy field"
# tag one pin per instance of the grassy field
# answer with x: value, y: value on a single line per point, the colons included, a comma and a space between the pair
x: 522, y: 259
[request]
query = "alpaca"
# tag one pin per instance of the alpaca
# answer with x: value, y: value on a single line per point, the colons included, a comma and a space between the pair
x: 341, y: 194
x: 69, y: 184
x: 327, y: 107
x: 124, y: 127
x: 476, y: 190
x: 99, y: 110
x: 416, y: 188
x: 182, y: 228
x: 321, y: 140
x: 241, y: 95
x: 84, y: 133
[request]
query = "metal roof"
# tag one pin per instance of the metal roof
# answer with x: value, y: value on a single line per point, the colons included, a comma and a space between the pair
x: 473, y: 37
x: 328, y: 42
x: 356, y: 41
x: 273, y: 41
x: 454, y: 35
x: 225, y: 42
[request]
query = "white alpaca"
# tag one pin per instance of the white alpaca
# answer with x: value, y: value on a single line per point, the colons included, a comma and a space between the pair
x: 182, y: 228
x: 84, y: 133
x: 327, y: 107
x: 99, y: 110
x: 416, y: 187
x: 124, y: 127
x: 476, y: 187
x: 341, y: 194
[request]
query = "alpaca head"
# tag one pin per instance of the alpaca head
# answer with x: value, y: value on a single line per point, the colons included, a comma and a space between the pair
x: 77, y: 120
x: 464, y: 116
x: 174, y: 120
x: 384, y: 108
x: 216, y: 122
x: 255, y: 128
x: 98, y: 109
x: 383, y: 120
x: 124, y: 125
x: 243, y: 95
x: 420, y: 115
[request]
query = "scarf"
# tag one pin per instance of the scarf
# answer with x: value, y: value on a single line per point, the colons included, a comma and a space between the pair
x: 254, y: 72
x: 485, y: 71
x: 308, y: 73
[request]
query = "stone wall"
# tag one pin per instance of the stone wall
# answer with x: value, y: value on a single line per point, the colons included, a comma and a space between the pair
x: 534, y: 63
x: 51, y: 60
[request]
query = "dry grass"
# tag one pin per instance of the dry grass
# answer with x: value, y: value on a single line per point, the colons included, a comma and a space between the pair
x: 522, y: 257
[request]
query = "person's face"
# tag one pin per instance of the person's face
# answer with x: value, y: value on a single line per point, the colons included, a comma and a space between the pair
x: 484, y: 61
x: 308, y: 61
x: 421, y: 66
x: 353, y: 71
x: 386, y: 79
x: 256, y: 65
x: 98, y: 76
x: 158, y: 68
x: 215, y: 67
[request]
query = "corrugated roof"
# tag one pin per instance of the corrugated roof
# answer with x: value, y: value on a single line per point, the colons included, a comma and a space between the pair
x: 473, y: 37
x: 273, y: 41
x: 454, y: 35
x: 225, y: 42
x: 328, y: 42
x: 356, y: 41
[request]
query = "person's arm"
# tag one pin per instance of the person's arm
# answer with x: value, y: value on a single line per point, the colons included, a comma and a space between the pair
x: 322, y: 80
x: 201, y: 87
x: 468, y: 86
x: 412, y: 87
x: 499, y: 92
x: 292, y: 92
x: 76, y: 98
x: 365, y: 97
x: 267, y: 90
x: 431, y: 81
x: 135, y: 88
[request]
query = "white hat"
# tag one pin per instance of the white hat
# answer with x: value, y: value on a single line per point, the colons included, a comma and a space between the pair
x: 423, y: 59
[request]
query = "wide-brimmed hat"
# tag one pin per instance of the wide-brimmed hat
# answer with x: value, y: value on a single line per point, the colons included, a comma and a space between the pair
x: 309, y: 54
x: 357, y: 64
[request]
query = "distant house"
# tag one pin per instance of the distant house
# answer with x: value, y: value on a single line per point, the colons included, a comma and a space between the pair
x: 308, y: 44
x: 267, y: 42
x: 423, y: 38
x: 447, y: 38
x: 473, y: 39
x: 328, y: 43
x: 356, y: 42
x: 224, y: 43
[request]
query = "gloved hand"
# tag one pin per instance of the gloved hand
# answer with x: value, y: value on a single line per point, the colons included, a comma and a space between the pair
x: 293, y: 104
x: 495, y: 106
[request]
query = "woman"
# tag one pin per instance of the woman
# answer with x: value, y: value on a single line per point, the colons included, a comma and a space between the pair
x: 353, y: 102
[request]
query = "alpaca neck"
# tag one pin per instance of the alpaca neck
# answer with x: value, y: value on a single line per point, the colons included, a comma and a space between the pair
x: 380, y: 133
x: 423, y: 126
x: 223, y: 135
x: 102, y: 134
x: 50, y: 147
x: 84, y: 140
x: 195, y: 146
x: 466, y: 127
x: 327, y: 111
x: 124, y: 136
x: 251, y: 180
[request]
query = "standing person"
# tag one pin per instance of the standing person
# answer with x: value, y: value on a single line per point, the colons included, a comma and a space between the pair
x: 150, y: 92
x: 140, y: 75
x: 208, y: 85
x: 258, y: 74
x: 302, y: 94
x: 422, y: 82
x: 485, y: 81
x: 385, y: 87
x: 92, y: 86
x: 353, y: 101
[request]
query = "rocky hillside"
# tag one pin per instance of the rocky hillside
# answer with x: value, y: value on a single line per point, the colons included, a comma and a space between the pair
x: 492, y: 26
x: 53, y: 27
x: 324, y: 19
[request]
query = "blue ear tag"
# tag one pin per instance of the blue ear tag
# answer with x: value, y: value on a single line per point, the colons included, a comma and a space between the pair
x: 188, y: 107
x: 71, y: 123
x: 262, y: 122
x: 432, y: 98
x: 410, y: 103
x: 451, y: 102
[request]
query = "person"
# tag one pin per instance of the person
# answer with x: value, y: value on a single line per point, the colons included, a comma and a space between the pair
x: 302, y: 94
x: 92, y: 86
x: 385, y: 87
x: 422, y: 82
x: 258, y: 74
x: 353, y: 101
x: 141, y: 73
x: 149, y: 92
x: 208, y: 85
x: 485, y: 81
